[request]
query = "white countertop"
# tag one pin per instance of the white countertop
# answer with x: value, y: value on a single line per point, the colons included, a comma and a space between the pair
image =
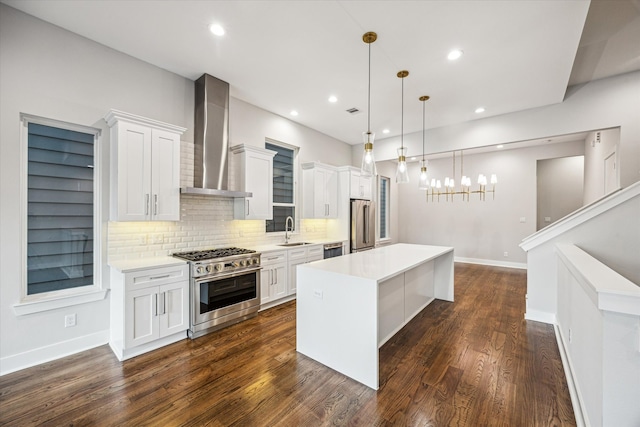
x: 380, y: 263
x: 134, y: 264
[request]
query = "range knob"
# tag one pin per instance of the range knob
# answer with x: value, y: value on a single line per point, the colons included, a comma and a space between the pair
x: 209, y: 268
x: 219, y: 267
x: 243, y: 262
x: 200, y: 270
x: 235, y: 264
x: 256, y: 261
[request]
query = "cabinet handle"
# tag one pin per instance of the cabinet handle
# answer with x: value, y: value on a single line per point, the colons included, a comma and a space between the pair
x: 272, y: 258
x: 155, y: 304
x: 164, y: 276
x: 270, y: 277
x: 164, y: 303
x: 276, y: 271
x: 155, y: 204
x: 146, y: 204
x: 247, y: 212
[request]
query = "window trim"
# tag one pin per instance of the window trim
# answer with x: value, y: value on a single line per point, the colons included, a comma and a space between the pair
x: 35, y: 303
x: 296, y: 196
x: 387, y: 210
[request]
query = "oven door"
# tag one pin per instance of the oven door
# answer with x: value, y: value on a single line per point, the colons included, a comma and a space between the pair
x: 217, y: 300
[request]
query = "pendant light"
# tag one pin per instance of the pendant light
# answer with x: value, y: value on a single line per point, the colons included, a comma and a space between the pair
x: 402, y: 174
x: 423, y: 183
x: 368, y: 160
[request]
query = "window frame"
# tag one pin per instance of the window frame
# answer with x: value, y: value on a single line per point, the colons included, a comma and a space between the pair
x: 65, y: 297
x: 296, y: 198
x: 387, y: 209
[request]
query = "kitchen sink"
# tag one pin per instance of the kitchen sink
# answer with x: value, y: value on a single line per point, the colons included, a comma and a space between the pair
x: 295, y: 244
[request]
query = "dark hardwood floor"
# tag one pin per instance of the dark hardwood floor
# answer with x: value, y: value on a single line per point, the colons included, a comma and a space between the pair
x: 474, y: 362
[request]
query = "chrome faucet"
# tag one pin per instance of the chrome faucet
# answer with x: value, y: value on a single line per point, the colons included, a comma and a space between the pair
x: 287, y: 228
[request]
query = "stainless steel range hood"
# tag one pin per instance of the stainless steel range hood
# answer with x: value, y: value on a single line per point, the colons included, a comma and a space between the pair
x: 211, y: 140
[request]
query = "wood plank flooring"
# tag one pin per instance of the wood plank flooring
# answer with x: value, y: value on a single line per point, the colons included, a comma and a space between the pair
x: 474, y: 362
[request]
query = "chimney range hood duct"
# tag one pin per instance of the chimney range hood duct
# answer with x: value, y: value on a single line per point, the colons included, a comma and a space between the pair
x: 211, y: 140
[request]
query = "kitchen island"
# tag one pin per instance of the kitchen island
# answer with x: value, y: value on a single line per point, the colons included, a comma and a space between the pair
x: 349, y: 306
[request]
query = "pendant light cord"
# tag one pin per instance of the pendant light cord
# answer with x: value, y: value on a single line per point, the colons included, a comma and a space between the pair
x: 369, y: 95
x: 402, y: 116
x: 423, y: 105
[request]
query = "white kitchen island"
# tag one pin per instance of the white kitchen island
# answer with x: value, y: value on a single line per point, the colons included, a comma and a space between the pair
x: 349, y: 306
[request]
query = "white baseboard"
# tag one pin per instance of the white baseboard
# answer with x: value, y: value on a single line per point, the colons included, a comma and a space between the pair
x: 55, y: 351
x: 576, y: 400
x: 540, y: 316
x: 492, y: 262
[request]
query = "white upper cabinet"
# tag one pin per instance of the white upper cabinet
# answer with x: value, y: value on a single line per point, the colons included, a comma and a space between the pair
x: 359, y: 186
x: 145, y: 168
x: 319, y: 191
x: 253, y: 173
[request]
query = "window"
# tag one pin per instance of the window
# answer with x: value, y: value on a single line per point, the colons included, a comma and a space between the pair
x: 284, y: 203
x: 383, y: 207
x: 60, y: 226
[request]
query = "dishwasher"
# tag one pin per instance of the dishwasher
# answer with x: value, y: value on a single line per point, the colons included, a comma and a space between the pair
x: 332, y: 250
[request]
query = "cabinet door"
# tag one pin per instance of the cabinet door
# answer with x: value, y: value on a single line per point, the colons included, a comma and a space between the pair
x: 173, y: 308
x: 331, y: 193
x: 319, y: 193
x: 133, y: 151
x: 365, y: 185
x: 293, y: 275
x: 259, y: 181
x: 354, y: 185
x: 279, y: 287
x: 141, y: 319
x: 165, y: 176
x: 265, y: 285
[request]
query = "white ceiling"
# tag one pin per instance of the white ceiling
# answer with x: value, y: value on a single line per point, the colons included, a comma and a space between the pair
x: 284, y: 55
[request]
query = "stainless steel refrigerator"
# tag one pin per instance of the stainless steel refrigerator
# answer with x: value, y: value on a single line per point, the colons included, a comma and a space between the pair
x: 363, y: 225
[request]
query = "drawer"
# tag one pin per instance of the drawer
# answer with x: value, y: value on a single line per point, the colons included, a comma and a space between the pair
x: 273, y: 257
x: 156, y: 276
x: 297, y: 253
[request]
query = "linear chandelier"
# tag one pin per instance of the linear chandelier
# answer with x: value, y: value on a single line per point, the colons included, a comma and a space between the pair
x: 465, y: 190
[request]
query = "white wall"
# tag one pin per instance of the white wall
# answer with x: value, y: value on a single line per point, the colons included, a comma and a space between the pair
x: 480, y: 231
x: 595, y: 155
x: 559, y: 189
x: 50, y: 72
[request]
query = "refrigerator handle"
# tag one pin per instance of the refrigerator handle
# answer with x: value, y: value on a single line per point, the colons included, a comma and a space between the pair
x: 366, y: 223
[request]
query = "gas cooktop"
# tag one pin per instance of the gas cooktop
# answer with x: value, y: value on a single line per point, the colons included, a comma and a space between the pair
x: 211, y: 254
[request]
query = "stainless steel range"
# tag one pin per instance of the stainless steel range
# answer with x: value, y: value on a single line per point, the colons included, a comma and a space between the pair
x: 224, y: 287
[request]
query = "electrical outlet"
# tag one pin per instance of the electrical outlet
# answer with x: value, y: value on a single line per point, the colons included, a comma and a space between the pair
x: 317, y: 293
x: 547, y: 219
x: 523, y: 219
x: 70, y: 320
x: 506, y: 254
x: 570, y: 337
x: 143, y: 239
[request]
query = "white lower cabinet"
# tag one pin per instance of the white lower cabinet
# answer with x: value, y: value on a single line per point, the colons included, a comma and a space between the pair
x: 149, y: 309
x: 299, y: 256
x: 273, y: 277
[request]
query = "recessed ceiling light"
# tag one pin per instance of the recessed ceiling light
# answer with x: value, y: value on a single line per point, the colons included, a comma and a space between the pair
x: 413, y: 158
x: 500, y: 146
x: 479, y: 110
x: 332, y: 98
x: 293, y: 113
x: 217, y: 29
x: 454, y: 54
x: 385, y: 130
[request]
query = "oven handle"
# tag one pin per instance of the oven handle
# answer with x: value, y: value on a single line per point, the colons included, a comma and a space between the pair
x: 227, y: 276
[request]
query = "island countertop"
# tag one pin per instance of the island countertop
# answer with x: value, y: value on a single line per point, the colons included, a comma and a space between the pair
x: 381, y: 263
